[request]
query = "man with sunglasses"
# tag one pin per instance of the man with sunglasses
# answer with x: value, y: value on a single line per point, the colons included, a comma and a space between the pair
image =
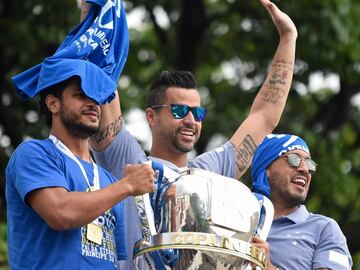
x: 282, y: 169
x: 175, y: 115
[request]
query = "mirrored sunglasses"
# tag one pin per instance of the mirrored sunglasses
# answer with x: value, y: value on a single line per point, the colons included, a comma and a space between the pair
x: 179, y: 111
x: 294, y: 160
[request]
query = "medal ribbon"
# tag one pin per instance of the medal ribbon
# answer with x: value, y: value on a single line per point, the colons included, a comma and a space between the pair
x: 62, y: 147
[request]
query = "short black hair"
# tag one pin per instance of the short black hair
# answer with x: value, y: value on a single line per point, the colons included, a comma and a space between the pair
x: 167, y: 79
x: 55, y: 90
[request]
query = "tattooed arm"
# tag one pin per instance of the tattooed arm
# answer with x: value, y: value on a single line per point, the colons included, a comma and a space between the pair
x: 269, y: 103
x: 111, y: 120
x: 110, y: 125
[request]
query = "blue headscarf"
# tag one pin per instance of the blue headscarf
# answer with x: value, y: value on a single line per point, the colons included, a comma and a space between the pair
x: 271, y: 148
x: 96, y: 51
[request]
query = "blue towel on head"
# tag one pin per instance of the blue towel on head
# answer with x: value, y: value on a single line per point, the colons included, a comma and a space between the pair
x: 96, y: 51
x: 271, y: 148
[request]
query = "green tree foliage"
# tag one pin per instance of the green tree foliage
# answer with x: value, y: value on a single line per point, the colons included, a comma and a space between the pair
x: 3, y: 247
x: 228, y: 44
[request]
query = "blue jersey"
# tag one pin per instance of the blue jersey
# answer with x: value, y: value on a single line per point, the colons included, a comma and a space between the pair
x: 32, y: 244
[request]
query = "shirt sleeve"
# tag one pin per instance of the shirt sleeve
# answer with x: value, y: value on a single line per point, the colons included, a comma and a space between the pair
x: 220, y: 160
x: 123, y: 150
x: 32, y: 167
x: 332, y: 251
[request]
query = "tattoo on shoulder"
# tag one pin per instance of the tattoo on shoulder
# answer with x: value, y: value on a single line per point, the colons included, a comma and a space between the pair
x: 111, y: 130
x: 280, y: 76
x: 244, y: 154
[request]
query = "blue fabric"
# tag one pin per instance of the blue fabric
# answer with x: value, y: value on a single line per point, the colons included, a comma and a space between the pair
x: 32, y: 244
x: 303, y: 240
x: 159, y: 170
x: 271, y: 148
x: 96, y: 51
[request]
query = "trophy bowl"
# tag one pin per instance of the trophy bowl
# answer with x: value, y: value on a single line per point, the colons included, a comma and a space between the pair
x: 203, y: 221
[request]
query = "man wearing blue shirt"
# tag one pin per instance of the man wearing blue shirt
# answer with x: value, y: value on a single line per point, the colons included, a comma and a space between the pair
x: 63, y: 210
x: 282, y: 169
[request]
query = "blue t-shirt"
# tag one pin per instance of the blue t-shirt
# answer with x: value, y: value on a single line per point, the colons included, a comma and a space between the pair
x: 311, y: 241
x: 126, y: 150
x: 32, y: 244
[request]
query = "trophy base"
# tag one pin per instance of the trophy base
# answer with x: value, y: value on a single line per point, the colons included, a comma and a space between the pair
x: 196, y: 251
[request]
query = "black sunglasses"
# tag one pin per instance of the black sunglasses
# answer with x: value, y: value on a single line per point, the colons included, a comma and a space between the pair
x: 294, y: 160
x: 179, y: 111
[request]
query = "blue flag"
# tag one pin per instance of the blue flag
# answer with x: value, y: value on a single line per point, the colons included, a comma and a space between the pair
x: 96, y: 51
x: 271, y: 148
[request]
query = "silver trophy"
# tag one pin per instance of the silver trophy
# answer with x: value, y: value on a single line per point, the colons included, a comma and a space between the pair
x: 202, y: 220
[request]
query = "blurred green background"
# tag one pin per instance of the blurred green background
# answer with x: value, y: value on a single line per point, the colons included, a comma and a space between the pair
x: 228, y: 44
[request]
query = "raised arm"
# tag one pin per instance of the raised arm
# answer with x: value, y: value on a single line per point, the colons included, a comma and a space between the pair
x: 269, y: 103
x: 111, y: 119
x: 110, y: 125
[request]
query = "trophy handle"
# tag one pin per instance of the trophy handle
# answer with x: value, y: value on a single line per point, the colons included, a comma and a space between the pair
x: 266, y: 216
x: 146, y: 215
x: 143, y: 203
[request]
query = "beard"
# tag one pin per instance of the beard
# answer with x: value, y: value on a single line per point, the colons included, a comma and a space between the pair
x: 74, y: 125
x: 290, y: 198
x: 181, y: 146
x: 280, y: 190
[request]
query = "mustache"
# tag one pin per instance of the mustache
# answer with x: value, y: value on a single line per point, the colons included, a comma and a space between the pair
x: 303, y: 175
x: 92, y: 109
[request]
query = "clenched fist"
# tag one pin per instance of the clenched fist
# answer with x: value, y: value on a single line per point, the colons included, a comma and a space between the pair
x: 139, y: 178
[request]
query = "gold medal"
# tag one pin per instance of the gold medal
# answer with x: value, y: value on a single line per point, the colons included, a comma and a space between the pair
x: 94, y: 233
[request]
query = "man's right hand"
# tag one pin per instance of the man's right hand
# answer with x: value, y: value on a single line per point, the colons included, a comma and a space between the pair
x: 139, y: 179
x: 281, y: 20
x: 265, y: 248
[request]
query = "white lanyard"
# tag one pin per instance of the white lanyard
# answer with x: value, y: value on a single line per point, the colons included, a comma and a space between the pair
x: 62, y: 147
